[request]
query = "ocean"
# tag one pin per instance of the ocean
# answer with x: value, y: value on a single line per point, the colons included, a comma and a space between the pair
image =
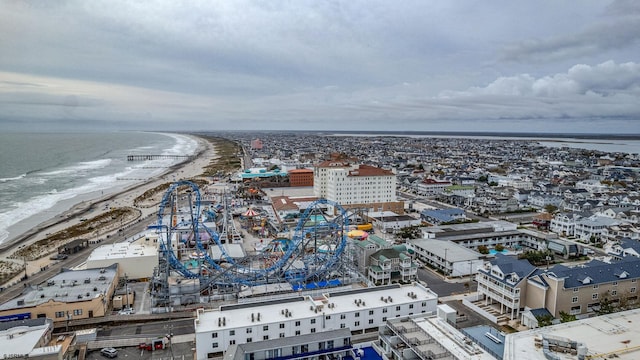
x: 44, y: 174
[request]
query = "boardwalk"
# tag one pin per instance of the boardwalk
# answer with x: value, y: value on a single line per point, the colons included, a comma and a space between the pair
x: 157, y: 157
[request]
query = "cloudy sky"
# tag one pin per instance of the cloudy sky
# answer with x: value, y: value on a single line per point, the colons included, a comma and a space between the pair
x: 541, y: 66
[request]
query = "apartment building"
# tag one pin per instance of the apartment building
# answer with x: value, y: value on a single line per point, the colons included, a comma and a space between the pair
x: 515, y: 285
x: 360, y: 310
x: 330, y: 344
x: 503, y: 281
x: 360, y: 186
x: 582, y: 290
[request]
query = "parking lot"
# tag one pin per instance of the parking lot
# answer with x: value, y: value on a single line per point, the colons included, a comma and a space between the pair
x: 177, y: 351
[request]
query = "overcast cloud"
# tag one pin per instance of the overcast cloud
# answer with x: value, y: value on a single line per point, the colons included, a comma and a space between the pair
x: 321, y: 65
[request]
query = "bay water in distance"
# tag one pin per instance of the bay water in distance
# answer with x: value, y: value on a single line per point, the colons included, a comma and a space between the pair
x: 44, y: 174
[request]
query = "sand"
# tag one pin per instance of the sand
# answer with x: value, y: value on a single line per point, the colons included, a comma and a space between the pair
x: 93, y: 207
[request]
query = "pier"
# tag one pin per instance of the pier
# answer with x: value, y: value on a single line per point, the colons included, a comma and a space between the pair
x: 158, y: 157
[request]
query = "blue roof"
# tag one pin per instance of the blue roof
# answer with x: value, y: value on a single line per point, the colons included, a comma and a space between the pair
x: 509, y: 265
x: 598, y: 272
x: 442, y: 215
x: 627, y: 243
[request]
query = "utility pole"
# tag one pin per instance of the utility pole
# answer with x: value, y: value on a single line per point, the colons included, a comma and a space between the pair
x: 445, y: 263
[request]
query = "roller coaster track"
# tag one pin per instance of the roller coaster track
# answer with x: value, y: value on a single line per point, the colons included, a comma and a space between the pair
x: 316, y: 264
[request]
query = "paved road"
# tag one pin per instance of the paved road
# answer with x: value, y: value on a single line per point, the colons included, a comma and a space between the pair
x: 443, y: 288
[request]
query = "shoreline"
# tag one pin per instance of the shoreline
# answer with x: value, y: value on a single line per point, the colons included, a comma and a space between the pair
x: 120, y: 198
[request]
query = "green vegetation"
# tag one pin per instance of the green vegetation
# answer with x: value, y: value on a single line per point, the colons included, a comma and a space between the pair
x: 112, y: 219
x: 483, y: 249
x: 228, y: 159
x: 536, y: 258
x: 564, y: 317
x: 544, y: 320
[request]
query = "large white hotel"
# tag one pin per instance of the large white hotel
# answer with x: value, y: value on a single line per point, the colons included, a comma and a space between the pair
x: 359, y: 310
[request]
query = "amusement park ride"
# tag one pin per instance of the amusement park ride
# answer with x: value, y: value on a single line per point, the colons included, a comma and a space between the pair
x: 315, y: 256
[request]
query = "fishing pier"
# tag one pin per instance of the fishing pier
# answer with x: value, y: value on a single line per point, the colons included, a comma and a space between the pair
x: 158, y: 157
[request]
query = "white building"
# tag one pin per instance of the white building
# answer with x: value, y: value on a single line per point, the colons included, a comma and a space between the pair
x: 358, y: 310
x: 136, y: 260
x: 21, y: 339
x: 354, y: 185
x: 449, y: 257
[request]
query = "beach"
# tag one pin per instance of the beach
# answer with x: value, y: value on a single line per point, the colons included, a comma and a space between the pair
x: 94, y: 205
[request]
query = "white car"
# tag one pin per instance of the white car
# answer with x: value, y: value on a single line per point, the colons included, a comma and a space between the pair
x: 127, y: 311
x: 109, y: 352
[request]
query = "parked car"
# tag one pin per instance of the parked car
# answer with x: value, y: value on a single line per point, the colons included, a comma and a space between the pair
x: 109, y: 352
x: 59, y: 257
x: 126, y: 311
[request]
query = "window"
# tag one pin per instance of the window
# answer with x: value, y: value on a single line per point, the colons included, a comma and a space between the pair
x: 265, y: 328
x: 410, y: 306
x: 266, y: 337
x: 424, y: 303
x: 398, y: 308
x: 342, y: 326
x: 297, y: 332
x: 59, y: 314
x: 77, y: 312
x: 614, y: 283
x: 632, y: 290
x: 232, y: 342
x: 298, y: 323
x: 214, y: 345
x: 575, y: 310
x: 281, y: 335
x: 343, y: 316
x: 370, y: 321
x: 614, y: 292
x: 384, y: 311
x: 633, y: 280
x: 214, y: 335
x: 384, y: 318
x: 329, y: 344
x: 357, y: 323
x: 249, y: 340
x: 313, y: 321
x: 595, y: 286
x: 328, y: 317
x: 576, y: 289
x: 358, y: 314
x: 232, y: 332
x: 594, y: 296
x: 313, y: 330
x: 249, y: 330
x: 281, y: 326
x: 574, y: 299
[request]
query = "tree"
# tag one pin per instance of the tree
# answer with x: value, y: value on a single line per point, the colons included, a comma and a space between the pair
x: 544, y: 320
x: 564, y: 317
x: 483, y: 249
x: 607, y: 306
x: 499, y: 247
x: 551, y: 209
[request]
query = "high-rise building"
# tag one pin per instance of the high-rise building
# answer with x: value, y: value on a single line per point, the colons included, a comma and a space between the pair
x: 356, y: 186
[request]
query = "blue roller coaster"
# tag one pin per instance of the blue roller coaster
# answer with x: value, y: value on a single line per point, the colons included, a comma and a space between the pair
x: 311, y: 256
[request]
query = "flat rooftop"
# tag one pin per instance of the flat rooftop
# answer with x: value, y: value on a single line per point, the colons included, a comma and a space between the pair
x: 606, y: 336
x: 303, y: 307
x: 422, y: 329
x: 67, y: 286
x: 122, y: 250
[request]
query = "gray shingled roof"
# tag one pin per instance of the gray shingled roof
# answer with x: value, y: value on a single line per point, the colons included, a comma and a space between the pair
x: 598, y: 272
